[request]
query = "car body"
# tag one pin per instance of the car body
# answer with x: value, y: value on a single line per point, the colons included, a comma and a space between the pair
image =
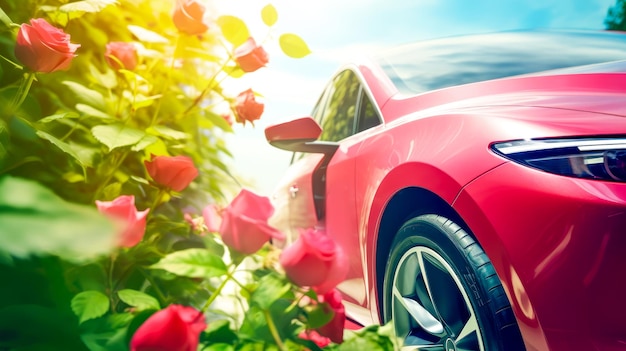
x: 439, y: 163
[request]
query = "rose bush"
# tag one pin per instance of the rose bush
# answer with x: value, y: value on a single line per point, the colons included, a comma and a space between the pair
x: 104, y: 246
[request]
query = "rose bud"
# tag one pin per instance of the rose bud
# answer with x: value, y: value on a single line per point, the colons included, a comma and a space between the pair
x: 314, y: 260
x: 175, y: 328
x: 247, y: 108
x: 334, y: 329
x: 250, y: 57
x: 174, y: 172
x: 44, y: 48
x: 244, y: 223
x: 121, y: 55
x: 188, y: 16
x: 124, y: 212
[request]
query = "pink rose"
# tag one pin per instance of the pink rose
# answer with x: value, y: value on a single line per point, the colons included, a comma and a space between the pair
x: 212, y: 218
x: 244, y: 223
x: 175, y: 328
x: 44, y: 48
x: 250, y: 57
x: 188, y: 16
x: 247, y: 108
x: 174, y: 172
x: 315, y: 260
x: 334, y: 329
x: 121, y: 55
x: 132, y: 222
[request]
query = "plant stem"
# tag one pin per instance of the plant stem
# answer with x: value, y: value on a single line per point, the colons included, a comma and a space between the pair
x: 22, y: 91
x: 273, y: 330
x: 217, y: 292
x: 110, y: 283
x: 156, y: 288
x: 157, y: 199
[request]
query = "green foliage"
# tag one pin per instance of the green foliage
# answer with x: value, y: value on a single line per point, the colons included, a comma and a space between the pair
x: 193, y: 263
x: 138, y: 299
x: 269, y: 15
x: 293, y: 46
x: 616, y: 16
x: 35, y: 221
x: 90, y: 304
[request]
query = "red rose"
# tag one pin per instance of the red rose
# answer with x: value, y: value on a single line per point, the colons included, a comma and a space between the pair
x: 334, y: 329
x: 314, y: 260
x: 173, y: 172
x: 212, y: 218
x: 250, y: 57
x: 121, y: 55
x: 314, y: 336
x: 244, y: 223
x: 132, y: 222
x: 188, y: 16
x: 247, y: 108
x: 175, y: 328
x: 44, y: 48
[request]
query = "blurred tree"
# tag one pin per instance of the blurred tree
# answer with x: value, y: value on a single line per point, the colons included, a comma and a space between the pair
x: 616, y: 16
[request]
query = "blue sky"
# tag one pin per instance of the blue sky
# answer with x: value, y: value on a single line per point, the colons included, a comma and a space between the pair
x: 335, y: 30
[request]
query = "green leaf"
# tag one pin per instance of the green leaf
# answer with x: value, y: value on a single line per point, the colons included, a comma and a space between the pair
x: 84, y: 155
x: 270, y: 289
x: 4, y: 140
x: 234, y: 29
x: 57, y: 117
x: 318, y: 315
x: 146, y: 35
x: 146, y: 141
x: 117, y: 135
x: 269, y: 15
x: 85, y: 95
x: 5, y: 19
x: 193, y: 263
x: 138, y: 299
x: 89, y: 305
x: 35, y: 221
x: 92, y: 112
x: 86, y: 6
x: 293, y: 46
x: 169, y: 133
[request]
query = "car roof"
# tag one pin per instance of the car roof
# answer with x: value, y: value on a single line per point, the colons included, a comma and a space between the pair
x: 419, y: 67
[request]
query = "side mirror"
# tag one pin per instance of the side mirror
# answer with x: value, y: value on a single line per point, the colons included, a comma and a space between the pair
x: 299, y: 135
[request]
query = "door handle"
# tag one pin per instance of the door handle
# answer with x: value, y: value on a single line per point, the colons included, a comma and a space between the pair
x: 293, y: 191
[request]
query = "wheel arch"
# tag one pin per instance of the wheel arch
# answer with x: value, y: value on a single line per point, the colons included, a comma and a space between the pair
x: 405, y: 204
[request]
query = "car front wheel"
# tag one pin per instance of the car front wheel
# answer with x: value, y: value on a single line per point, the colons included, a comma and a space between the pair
x: 442, y: 292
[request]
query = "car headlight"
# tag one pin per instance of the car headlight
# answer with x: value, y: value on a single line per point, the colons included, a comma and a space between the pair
x: 591, y: 158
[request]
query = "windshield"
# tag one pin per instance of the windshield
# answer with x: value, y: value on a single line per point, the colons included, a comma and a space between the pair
x: 419, y: 67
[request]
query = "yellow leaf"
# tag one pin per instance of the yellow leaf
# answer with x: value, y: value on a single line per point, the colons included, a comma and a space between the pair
x: 293, y: 46
x: 269, y: 15
x: 234, y: 29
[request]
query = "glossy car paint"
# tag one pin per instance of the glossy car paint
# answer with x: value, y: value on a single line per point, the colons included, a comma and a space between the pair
x: 556, y: 243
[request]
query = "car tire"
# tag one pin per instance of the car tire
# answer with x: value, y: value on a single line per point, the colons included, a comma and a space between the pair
x: 442, y: 292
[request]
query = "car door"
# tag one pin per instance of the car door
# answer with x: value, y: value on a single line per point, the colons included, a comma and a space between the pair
x: 318, y: 190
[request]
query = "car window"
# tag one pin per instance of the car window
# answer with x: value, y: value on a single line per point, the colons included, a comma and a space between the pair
x: 368, y: 117
x: 337, y: 118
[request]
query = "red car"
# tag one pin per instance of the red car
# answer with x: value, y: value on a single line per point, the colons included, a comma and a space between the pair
x: 477, y: 185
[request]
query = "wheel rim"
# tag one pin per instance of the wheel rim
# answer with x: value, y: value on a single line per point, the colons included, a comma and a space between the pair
x: 430, y: 308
